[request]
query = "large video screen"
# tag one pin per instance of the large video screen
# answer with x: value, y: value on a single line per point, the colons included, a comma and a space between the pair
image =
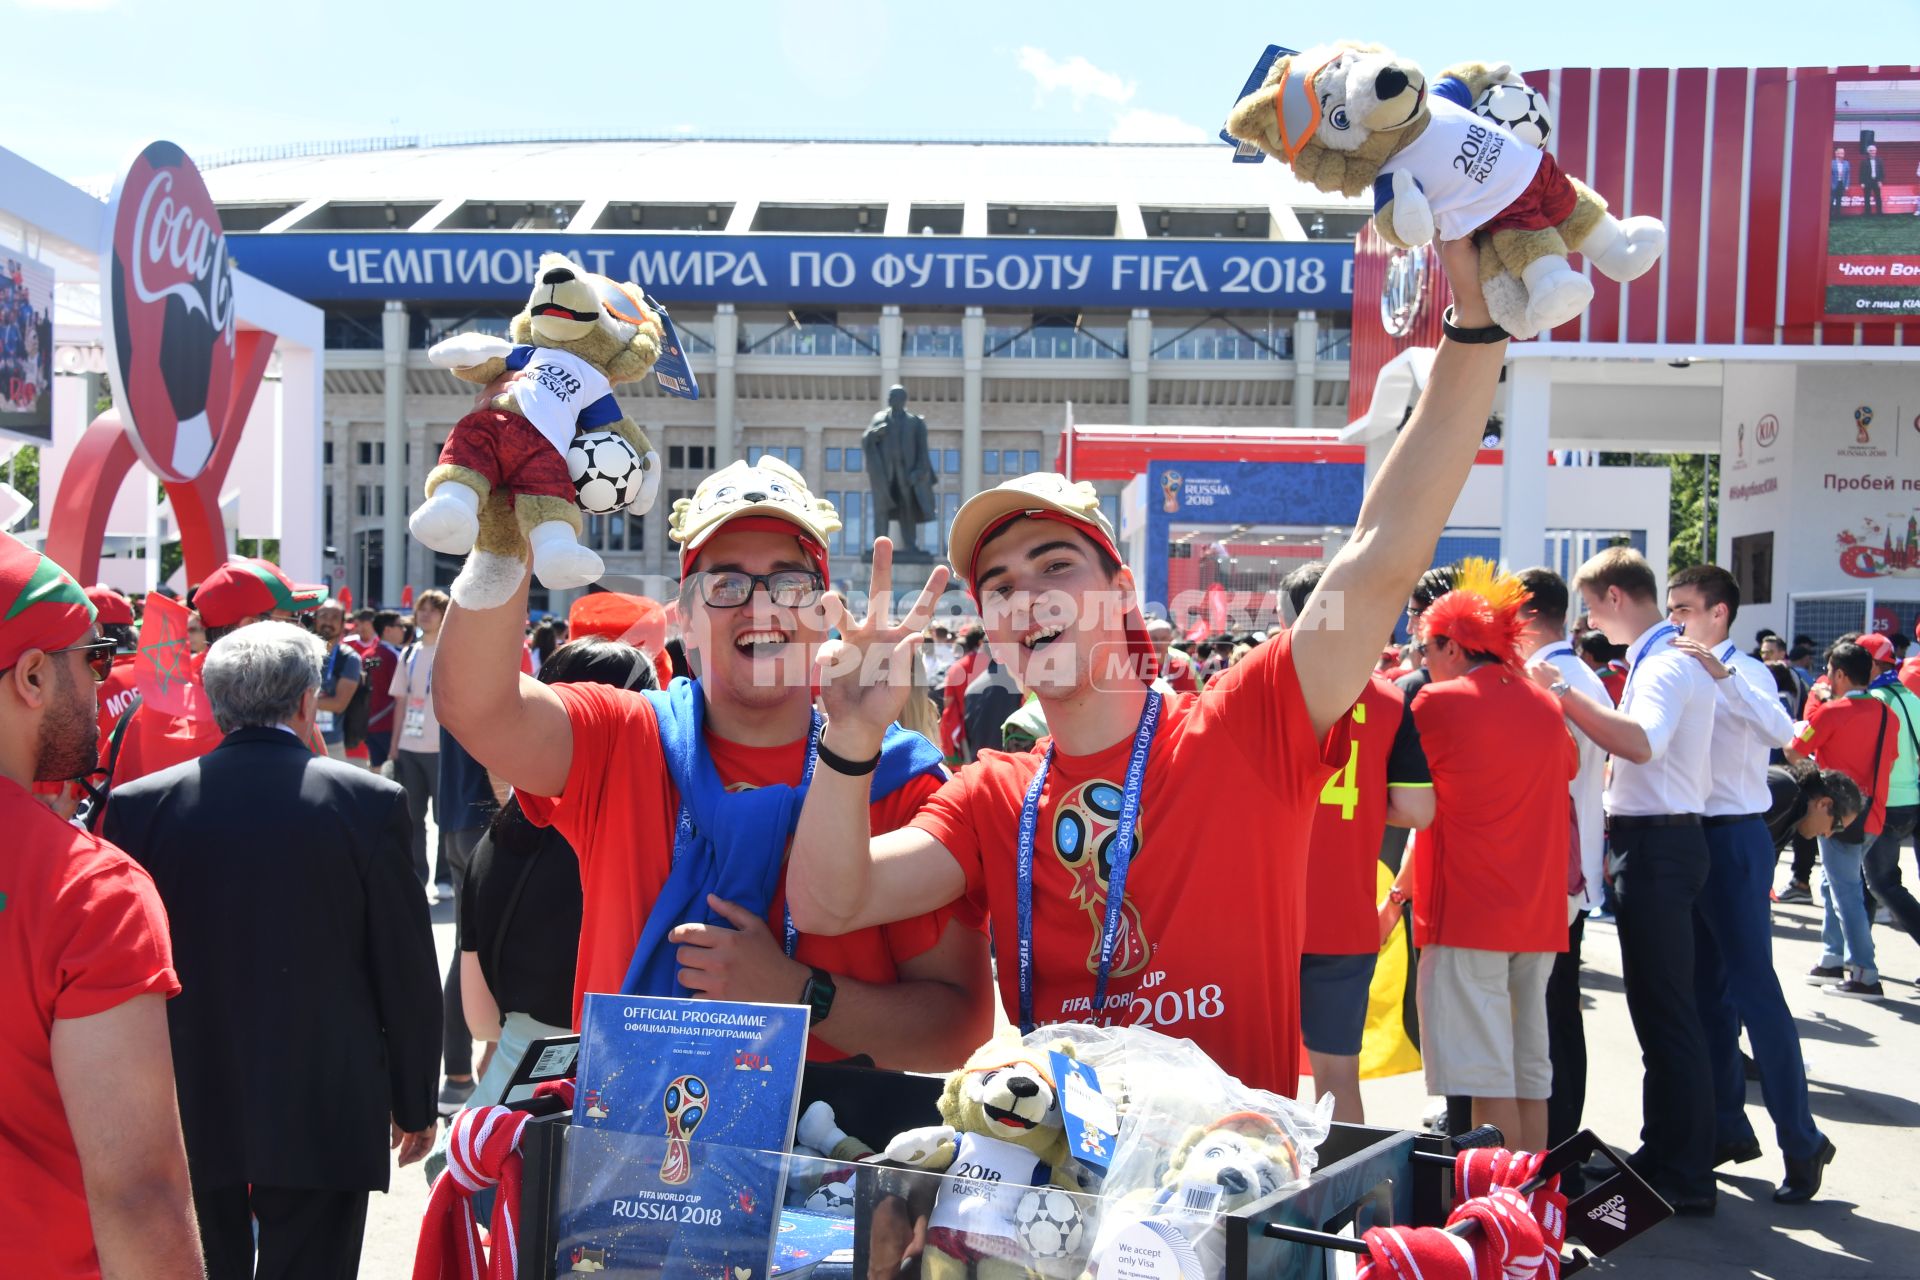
x: 1873, y: 201
x: 26, y: 347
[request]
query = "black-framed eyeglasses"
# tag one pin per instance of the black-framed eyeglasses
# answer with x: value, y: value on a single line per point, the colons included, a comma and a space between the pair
x: 99, y: 657
x: 787, y: 588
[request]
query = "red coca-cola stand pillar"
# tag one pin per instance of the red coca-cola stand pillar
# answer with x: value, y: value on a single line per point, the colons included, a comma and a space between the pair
x: 184, y: 374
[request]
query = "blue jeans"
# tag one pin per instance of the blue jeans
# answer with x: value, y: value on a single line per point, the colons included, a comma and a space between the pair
x: 1847, y: 933
x: 1735, y: 983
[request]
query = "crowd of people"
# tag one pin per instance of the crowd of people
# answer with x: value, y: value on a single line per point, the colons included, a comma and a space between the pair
x: 232, y: 986
x: 25, y: 331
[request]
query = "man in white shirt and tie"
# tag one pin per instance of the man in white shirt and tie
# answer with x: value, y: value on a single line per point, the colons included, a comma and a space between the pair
x: 1661, y: 741
x: 1734, y: 977
x: 1544, y: 641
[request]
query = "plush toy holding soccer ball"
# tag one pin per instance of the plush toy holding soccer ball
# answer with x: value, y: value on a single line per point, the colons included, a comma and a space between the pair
x: 1441, y: 160
x: 1048, y: 1224
x: 513, y: 476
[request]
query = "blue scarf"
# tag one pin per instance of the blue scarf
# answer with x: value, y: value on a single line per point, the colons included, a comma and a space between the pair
x: 732, y: 844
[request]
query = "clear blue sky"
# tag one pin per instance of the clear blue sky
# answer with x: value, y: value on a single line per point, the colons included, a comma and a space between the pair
x: 89, y: 80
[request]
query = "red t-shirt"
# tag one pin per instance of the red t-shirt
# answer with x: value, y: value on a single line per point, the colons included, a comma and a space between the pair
x: 117, y: 693
x: 953, y: 703
x: 1614, y: 677
x: 1212, y: 928
x: 82, y: 931
x: 1491, y: 872
x: 1178, y: 672
x: 1351, y: 819
x: 1910, y: 673
x: 1845, y: 734
x: 618, y: 809
x: 379, y: 698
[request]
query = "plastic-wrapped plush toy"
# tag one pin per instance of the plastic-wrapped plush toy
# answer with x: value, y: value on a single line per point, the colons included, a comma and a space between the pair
x: 506, y: 488
x: 1003, y: 1138
x: 1351, y: 117
x: 820, y: 1137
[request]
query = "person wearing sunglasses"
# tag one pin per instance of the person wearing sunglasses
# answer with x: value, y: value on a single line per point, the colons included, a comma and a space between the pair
x: 680, y: 805
x: 94, y: 1170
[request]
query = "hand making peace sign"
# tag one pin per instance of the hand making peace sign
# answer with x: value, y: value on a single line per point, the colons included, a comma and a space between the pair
x: 865, y: 677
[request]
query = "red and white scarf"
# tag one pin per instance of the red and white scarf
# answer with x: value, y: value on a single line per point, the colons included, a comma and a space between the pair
x: 483, y: 1150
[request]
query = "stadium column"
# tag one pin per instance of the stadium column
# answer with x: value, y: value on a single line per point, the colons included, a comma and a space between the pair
x: 393, y: 526
x: 1306, y: 348
x: 1523, y: 476
x: 726, y: 345
x: 973, y: 348
x: 1139, y: 353
x: 892, y: 333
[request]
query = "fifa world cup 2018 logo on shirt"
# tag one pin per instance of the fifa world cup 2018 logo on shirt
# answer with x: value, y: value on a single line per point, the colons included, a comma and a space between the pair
x: 1084, y: 829
x: 685, y: 1103
x: 1170, y: 493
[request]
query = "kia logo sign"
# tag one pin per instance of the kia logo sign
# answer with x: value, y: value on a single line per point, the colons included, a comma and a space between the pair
x: 1403, y: 291
x: 1767, y: 431
x: 169, y: 291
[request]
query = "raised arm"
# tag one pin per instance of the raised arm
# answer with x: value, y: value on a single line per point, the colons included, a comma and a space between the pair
x: 512, y: 724
x: 839, y: 878
x: 1404, y: 510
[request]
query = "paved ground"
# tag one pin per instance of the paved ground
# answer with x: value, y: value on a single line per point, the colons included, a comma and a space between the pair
x: 1863, y: 1060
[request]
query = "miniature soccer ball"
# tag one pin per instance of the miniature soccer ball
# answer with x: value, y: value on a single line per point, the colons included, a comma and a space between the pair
x: 834, y: 1198
x: 607, y: 473
x: 1519, y: 110
x: 1047, y: 1224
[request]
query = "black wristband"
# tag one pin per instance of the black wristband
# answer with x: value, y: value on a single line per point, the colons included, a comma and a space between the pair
x: 840, y: 764
x: 1483, y: 334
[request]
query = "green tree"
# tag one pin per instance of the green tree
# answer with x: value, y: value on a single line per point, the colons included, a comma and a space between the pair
x: 1692, y: 509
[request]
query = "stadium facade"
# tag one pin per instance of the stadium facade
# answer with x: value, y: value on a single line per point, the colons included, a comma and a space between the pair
x: 1151, y: 285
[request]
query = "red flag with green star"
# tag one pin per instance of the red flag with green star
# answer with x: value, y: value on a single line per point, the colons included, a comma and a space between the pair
x: 164, y: 670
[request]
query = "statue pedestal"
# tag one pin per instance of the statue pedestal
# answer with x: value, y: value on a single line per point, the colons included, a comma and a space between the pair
x: 910, y: 574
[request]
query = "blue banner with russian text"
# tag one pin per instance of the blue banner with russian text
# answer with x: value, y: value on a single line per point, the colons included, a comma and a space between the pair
x: 498, y: 266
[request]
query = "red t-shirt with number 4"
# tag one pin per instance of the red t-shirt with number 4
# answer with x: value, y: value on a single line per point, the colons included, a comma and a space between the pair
x: 1212, y: 926
x: 1383, y: 751
x: 618, y: 809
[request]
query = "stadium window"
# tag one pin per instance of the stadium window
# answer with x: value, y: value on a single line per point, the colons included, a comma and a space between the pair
x: 705, y: 455
x: 326, y: 506
x: 854, y: 460
x: 933, y: 459
x: 677, y: 456
x: 833, y: 459
x: 1010, y: 462
x: 990, y: 462
x: 326, y: 453
x: 797, y: 457
x: 754, y: 455
x: 953, y: 461
x: 636, y: 532
x: 853, y: 515
x: 834, y: 544
x: 1030, y: 460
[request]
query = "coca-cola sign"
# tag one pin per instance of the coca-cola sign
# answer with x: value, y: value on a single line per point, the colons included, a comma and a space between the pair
x: 169, y: 292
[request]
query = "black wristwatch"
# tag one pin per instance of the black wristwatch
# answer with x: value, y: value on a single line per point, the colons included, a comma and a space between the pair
x: 1483, y: 334
x: 817, y: 995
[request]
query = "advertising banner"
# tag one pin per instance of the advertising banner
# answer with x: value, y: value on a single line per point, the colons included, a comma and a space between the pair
x: 26, y: 348
x: 1873, y: 201
x: 997, y: 271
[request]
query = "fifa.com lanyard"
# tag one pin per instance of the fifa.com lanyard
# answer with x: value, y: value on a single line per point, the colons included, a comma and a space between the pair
x: 790, y: 936
x: 1664, y: 630
x: 1121, y: 859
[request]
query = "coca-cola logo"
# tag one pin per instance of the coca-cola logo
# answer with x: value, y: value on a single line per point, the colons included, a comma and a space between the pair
x: 170, y: 338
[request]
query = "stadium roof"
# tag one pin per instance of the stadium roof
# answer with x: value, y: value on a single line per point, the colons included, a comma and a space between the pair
x: 927, y: 183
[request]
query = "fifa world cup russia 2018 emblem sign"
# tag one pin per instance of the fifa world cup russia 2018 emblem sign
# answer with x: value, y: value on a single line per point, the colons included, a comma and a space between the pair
x: 685, y: 1103
x: 1170, y: 492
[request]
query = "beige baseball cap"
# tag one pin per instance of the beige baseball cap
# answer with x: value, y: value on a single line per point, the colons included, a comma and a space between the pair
x: 765, y: 490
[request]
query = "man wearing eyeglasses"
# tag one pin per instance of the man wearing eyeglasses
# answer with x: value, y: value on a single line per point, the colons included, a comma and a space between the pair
x: 93, y: 1173
x: 680, y: 805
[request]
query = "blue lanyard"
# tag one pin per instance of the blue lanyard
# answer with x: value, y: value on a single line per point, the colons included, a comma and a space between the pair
x: 1661, y: 633
x: 790, y: 936
x: 1727, y: 657
x: 1121, y: 859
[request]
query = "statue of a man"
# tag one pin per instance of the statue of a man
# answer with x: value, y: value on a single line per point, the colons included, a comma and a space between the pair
x: 899, y: 470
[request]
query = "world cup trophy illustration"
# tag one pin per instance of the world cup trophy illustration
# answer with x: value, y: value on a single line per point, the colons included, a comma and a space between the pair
x: 1085, y: 826
x: 685, y: 1103
x: 1170, y: 493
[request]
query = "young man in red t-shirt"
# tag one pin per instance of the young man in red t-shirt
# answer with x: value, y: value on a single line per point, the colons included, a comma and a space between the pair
x: 1384, y: 780
x: 93, y: 1171
x: 1202, y: 935
x: 1860, y: 736
x: 598, y: 764
x: 1490, y: 880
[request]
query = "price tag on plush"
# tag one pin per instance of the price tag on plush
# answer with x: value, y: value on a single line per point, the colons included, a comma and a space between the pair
x: 1092, y: 1121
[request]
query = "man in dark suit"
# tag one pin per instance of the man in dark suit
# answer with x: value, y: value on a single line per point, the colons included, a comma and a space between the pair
x: 1841, y: 179
x: 1872, y: 171
x: 307, y: 1041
